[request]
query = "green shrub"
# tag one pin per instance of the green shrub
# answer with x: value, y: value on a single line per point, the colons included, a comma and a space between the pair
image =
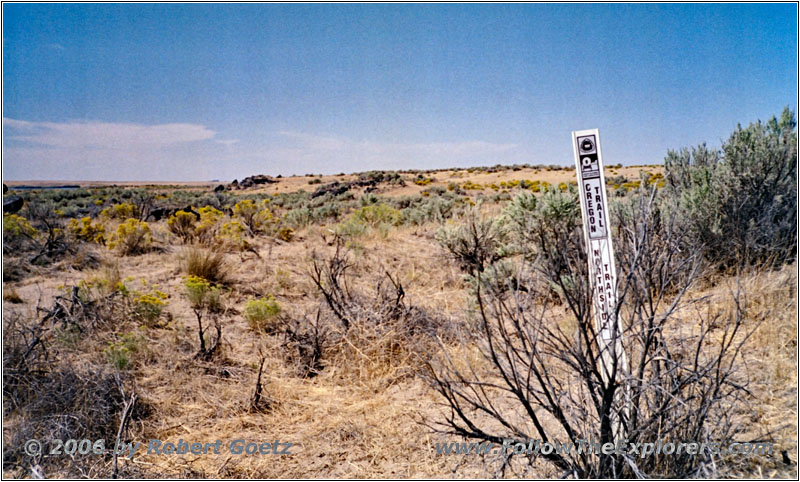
x: 547, y: 227
x: 390, y: 177
x: 299, y: 218
x: 418, y: 210
x: 740, y: 202
x: 368, y: 199
x: 477, y: 243
x: 352, y: 228
x: 262, y: 313
x: 376, y: 214
x: 120, y: 354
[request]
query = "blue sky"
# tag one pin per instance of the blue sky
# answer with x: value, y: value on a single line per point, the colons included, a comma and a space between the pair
x: 200, y: 91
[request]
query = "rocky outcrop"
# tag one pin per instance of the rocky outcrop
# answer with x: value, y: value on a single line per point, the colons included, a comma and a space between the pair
x: 252, y: 181
x: 334, y: 189
x: 367, y: 180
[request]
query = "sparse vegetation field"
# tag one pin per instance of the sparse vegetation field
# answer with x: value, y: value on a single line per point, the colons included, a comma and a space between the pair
x: 357, y: 316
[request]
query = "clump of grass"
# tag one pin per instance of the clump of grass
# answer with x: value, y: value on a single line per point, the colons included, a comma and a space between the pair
x: 207, y: 264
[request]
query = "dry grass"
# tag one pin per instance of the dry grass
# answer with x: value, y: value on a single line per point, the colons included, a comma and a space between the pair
x: 771, y: 368
x: 205, y: 263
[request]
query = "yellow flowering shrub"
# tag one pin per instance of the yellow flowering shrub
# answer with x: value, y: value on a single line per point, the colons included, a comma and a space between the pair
x: 629, y: 186
x: 132, y: 237
x: 149, y: 306
x: 232, y: 234
x: 206, y: 228
x: 86, y: 230
x: 469, y: 185
x: 655, y: 179
x: 15, y: 226
x: 256, y: 216
x: 120, y: 211
x: 202, y: 294
x: 182, y: 224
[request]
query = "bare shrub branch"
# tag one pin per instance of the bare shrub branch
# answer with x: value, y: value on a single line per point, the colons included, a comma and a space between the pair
x: 544, y: 378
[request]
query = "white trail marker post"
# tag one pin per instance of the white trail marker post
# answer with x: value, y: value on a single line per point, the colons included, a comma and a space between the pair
x: 600, y: 252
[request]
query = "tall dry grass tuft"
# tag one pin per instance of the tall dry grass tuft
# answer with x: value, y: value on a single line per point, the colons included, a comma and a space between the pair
x: 207, y: 264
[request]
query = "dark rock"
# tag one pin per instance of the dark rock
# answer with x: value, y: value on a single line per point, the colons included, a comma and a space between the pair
x: 160, y: 213
x: 12, y: 204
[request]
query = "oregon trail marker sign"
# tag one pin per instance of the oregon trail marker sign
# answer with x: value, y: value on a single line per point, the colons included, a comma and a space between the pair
x: 599, y: 249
